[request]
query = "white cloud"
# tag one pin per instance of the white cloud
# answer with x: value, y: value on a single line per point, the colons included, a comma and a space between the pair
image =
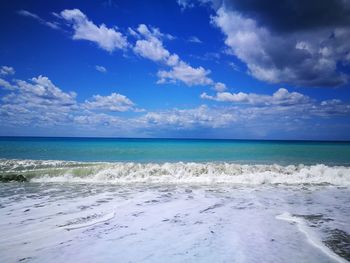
x: 5, y: 84
x: 151, y: 47
x: 6, y: 70
x: 106, y: 38
x: 36, y: 102
x: 220, y: 87
x: 101, y: 69
x: 311, y: 59
x: 185, y: 73
x: 188, y: 118
x: 281, y: 97
x: 133, y: 33
x: 41, y: 91
x: 113, y: 102
x: 173, y: 60
x: 40, y: 103
x: 332, y: 107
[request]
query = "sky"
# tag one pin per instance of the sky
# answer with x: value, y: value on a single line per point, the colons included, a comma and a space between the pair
x: 221, y: 69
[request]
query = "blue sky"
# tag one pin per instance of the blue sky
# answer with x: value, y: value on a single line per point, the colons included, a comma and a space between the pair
x: 184, y: 69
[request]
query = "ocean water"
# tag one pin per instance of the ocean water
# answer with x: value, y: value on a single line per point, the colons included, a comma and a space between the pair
x: 151, y: 200
x: 175, y: 150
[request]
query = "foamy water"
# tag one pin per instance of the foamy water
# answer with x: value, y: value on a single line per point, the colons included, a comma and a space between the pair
x: 65, y: 211
x: 173, y: 173
x: 51, y: 222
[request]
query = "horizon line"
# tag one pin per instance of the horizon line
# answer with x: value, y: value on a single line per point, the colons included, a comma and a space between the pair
x: 170, y: 138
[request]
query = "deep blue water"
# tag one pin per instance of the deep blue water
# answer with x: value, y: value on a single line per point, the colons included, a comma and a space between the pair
x: 174, y: 150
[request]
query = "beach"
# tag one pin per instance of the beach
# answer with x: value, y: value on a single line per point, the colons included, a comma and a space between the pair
x: 187, y: 211
x: 202, y: 223
x: 204, y: 131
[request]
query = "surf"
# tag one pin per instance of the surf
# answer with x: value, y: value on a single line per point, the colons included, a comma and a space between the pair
x: 172, y: 173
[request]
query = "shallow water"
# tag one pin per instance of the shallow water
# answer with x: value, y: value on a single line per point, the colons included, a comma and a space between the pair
x: 74, y: 222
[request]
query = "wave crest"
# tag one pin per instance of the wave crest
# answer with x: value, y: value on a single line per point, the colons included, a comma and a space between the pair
x: 180, y: 172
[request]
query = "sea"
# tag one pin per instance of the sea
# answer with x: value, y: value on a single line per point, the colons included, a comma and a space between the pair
x: 173, y: 200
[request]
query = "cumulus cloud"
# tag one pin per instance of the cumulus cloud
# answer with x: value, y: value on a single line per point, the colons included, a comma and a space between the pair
x: 5, y: 84
x: 150, y: 46
x: 187, y: 74
x: 113, y: 102
x: 41, y: 90
x: 106, y: 38
x: 6, y: 70
x: 314, y: 49
x: 285, y: 111
x: 219, y: 86
x: 36, y: 102
x: 53, y: 25
x: 332, y: 107
x: 101, y: 69
x: 39, y: 102
x: 202, y: 116
x: 280, y: 97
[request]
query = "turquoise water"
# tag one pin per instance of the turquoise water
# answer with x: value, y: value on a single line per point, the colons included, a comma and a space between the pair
x: 175, y: 150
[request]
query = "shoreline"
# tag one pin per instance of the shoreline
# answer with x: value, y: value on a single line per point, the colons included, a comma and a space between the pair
x: 92, y: 222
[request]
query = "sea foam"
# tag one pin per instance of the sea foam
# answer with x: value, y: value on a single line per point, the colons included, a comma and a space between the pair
x: 180, y: 172
x: 312, y: 238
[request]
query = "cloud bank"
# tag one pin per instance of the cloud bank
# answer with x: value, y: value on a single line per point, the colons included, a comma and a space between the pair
x: 38, y: 102
x: 299, y: 42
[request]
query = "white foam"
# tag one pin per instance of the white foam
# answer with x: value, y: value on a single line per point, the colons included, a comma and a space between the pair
x: 310, y: 236
x: 93, y: 222
x: 154, y: 224
x: 180, y: 172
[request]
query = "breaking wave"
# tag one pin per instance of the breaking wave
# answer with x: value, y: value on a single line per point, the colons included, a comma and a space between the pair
x: 180, y: 172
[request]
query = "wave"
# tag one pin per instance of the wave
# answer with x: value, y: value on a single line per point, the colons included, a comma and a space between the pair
x: 170, y: 173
